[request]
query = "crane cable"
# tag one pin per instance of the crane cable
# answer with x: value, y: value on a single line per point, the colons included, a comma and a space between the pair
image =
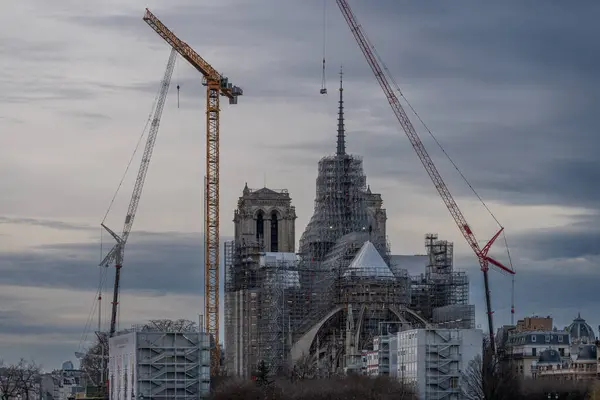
x: 177, y: 78
x: 397, y: 88
x: 133, y: 155
x: 103, y: 273
x: 323, y: 73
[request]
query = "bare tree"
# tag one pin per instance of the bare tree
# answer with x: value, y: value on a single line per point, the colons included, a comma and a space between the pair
x: 487, y: 378
x: 304, y: 368
x: 168, y: 325
x: 337, y: 388
x: 94, y: 364
x: 28, y: 375
x: 9, y: 381
x: 21, y: 379
x: 544, y: 388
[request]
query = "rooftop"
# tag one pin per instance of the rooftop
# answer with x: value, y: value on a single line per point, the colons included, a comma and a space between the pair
x: 368, y: 263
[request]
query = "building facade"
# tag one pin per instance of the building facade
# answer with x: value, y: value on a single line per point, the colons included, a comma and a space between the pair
x: 265, y: 217
x: 432, y: 361
x: 525, y: 348
x: 151, y: 364
x: 583, y: 365
x: 535, y: 348
x: 65, y: 384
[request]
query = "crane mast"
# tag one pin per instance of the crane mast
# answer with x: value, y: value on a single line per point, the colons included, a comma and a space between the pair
x: 117, y: 253
x: 419, y: 147
x: 216, y: 85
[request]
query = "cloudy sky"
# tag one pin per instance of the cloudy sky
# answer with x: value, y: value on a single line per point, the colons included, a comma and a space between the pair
x: 511, y: 89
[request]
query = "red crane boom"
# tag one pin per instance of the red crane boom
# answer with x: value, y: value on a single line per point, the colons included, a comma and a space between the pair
x: 417, y: 144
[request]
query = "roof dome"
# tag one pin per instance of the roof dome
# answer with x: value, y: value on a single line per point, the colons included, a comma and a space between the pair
x: 549, y: 356
x: 580, y: 331
x: 369, y: 264
x: 587, y: 352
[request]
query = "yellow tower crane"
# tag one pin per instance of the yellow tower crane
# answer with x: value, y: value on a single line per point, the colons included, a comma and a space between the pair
x: 216, y: 84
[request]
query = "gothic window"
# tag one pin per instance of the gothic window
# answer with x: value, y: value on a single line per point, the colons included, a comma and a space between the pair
x: 260, y: 226
x: 274, y: 232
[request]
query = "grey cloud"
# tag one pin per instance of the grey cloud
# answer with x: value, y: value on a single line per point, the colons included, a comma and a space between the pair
x: 525, y: 178
x: 29, y: 95
x: 259, y: 70
x: 539, y: 293
x: 568, y: 242
x: 16, y: 323
x: 60, y: 225
x: 466, y: 67
x: 558, y: 287
x: 46, y: 51
x: 92, y: 117
x: 159, y: 262
x: 541, y: 152
x: 483, y: 41
x: 49, y: 354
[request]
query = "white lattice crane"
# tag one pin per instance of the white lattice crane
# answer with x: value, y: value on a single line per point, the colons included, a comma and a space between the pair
x: 116, y: 254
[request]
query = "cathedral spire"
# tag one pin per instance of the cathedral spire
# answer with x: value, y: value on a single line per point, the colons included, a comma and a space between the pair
x: 341, y: 136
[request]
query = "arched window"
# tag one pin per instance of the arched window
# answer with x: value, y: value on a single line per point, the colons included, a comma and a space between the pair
x: 260, y: 226
x: 274, y: 232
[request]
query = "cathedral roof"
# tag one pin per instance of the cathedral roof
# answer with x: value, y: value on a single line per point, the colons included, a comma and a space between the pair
x: 265, y: 193
x: 368, y: 263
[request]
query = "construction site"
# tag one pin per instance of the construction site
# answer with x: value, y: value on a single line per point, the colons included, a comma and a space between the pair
x: 282, y: 304
x: 326, y: 302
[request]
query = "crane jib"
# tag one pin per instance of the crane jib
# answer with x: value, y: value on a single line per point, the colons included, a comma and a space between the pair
x: 117, y: 252
x: 370, y: 56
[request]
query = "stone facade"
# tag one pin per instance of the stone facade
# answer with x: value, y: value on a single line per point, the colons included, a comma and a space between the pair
x: 267, y: 216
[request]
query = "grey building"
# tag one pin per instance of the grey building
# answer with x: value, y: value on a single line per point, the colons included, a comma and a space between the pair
x: 155, y: 364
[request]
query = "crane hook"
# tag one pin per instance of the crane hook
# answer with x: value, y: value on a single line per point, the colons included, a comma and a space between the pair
x: 323, y: 88
x: 323, y: 74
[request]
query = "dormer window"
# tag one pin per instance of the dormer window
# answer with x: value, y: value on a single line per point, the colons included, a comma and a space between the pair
x: 533, y: 338
x: 560, y: 338
x: 547, y: 338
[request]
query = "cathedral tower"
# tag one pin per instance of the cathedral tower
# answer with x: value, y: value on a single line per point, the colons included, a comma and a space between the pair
x: 267, y: 217
x: 264, y: 246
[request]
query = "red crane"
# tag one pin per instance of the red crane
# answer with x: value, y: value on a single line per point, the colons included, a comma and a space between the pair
x: 417, y: 144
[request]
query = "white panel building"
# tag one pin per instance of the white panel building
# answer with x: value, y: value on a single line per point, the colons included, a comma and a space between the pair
x: 146, y: 364
x: 433, y: 360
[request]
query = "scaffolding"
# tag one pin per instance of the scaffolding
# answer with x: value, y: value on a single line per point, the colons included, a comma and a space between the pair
x: 261, y: 292
x: 159, y: 362
x: 344, y: 262
x: 346, y: 214
x: 340, y: 284
x: 242, y: 285
x: 441, y: 286
x: 279, y: 294
x: 455, y: 316
x: 229, y: 306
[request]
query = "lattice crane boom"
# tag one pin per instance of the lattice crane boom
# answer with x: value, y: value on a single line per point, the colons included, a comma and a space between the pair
x: 117, y: 253
x: 216, y: 84
x: 418, y: 146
